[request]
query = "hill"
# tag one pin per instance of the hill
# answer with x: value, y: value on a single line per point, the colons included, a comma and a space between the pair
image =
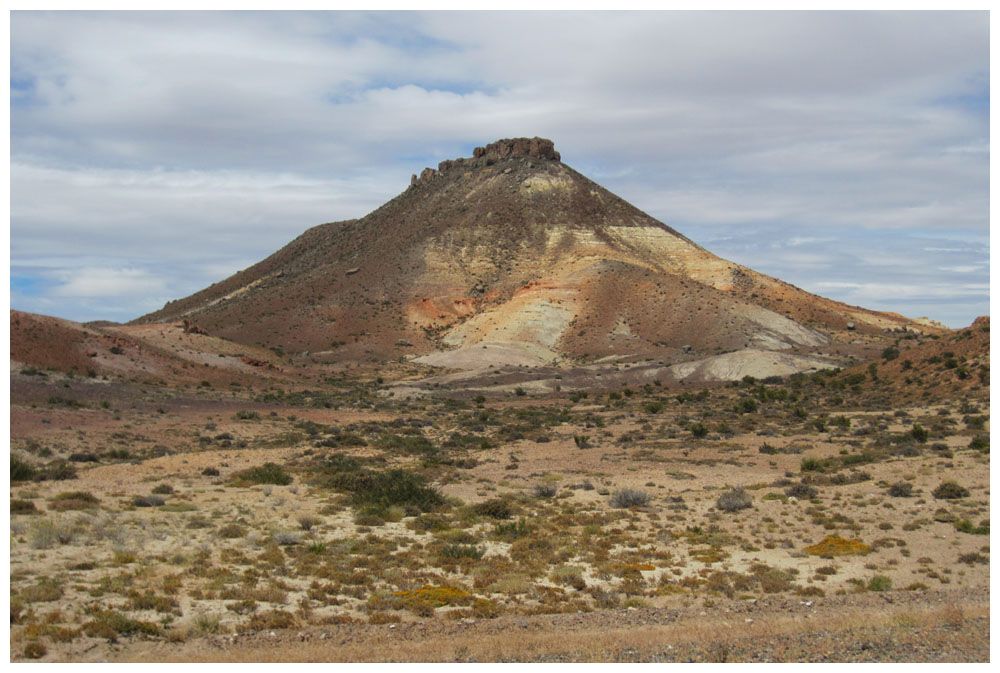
x: 512, y: 257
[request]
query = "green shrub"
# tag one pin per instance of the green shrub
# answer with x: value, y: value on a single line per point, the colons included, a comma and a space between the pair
x: 949, y: 490
x: 458, y: 551
x: 110, y: 624
x: 854, y: 379
x: 382, y: 490
x: 163, y: 489
x: 268, y: 473
x: 497, y: 508
x: 919, y: 433
x: 34, y: 650
x: 879, y: 583
x: 414, y: 444
x: 810, y: 464
x: 901, y: 489
x: 698, y: 430
x: 20, y: 470
x: 966, y: 526
x: 802, y: 491
x: 511, y: 531
x: 23, y: 507
x: 980, y: 443
x: 74, y: 500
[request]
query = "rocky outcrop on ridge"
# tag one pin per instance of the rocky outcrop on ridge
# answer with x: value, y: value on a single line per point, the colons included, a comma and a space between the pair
x: 534, y: 148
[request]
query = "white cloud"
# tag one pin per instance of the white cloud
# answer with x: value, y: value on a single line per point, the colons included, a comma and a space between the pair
x: 96, y: 282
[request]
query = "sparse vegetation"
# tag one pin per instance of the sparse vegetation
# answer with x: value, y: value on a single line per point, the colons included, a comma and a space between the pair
x: 629, y: 497
x: 950, y: 490
x: 268, y: 473
x: 341, y: 503
x: 734, y: 500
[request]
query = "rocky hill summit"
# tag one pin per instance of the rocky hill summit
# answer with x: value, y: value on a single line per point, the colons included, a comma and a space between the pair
x: 512, y: 257
x: 533, y: 148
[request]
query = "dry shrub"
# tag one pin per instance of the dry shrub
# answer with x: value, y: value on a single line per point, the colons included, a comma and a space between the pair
x: 629, y: 497
x: 45, y: 591
x: 384, y: 618
x: 34, y: 650
x: 273, y: 619
x: 837, y: 546
x: 734, y: 500
x: 73, y: 501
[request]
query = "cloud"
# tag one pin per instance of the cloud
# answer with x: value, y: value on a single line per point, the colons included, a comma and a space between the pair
x: 134, y: 133
x: 95, y: 282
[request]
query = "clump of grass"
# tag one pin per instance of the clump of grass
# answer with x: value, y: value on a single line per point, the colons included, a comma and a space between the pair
x: 511, y: 530
x: 837, y: 546
x: 460, y: 551
x: 163, y: 489
x: 629, y: 497
x: 544, y: 490
x: 268, y: 473
x: 46, y: 534
x: 734, y: 500
x: 950, y: 490
x: 287, y: 538
x: 210, y: 472
x: 879, y: 583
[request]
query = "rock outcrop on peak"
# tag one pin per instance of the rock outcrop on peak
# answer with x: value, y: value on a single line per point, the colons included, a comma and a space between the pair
x: 511, y: 256
x: 532, y: 148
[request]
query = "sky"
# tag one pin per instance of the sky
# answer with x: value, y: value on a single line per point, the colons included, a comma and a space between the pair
x: 152, y: 154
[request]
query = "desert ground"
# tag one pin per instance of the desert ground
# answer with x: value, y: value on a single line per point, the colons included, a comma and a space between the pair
x: 811, y: 517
